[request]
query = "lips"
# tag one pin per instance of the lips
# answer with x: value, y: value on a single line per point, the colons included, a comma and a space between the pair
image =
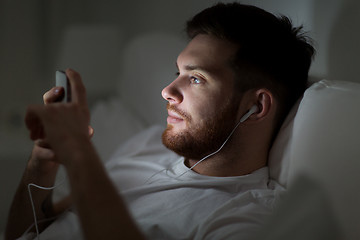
x: 174, y: 117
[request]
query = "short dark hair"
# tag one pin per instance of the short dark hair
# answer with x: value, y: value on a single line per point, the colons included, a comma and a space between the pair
x: 271, y: 54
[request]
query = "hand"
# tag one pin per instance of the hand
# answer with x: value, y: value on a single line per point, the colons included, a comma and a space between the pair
x: 57, y: 123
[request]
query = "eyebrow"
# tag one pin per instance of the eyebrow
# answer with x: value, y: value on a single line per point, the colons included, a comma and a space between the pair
x: 190, y: 67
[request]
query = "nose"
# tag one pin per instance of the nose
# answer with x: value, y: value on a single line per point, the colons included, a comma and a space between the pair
x: 172, y: 93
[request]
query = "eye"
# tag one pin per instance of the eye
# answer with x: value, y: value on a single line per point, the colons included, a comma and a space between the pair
x: 195, y: 80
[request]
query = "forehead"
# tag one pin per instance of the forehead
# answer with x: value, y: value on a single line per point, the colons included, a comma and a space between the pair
x: 208, y: 52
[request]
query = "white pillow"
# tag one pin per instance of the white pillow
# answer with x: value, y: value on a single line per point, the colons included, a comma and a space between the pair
x: 324, y: 154
x: 326, y: 130
x: 113, y: 124
x: 148, y: 66
x: 279, y: 156
x: 324, y: 126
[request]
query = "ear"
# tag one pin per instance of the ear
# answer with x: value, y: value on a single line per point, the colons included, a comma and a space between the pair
x: 264, y: 100
x: 260, y: 99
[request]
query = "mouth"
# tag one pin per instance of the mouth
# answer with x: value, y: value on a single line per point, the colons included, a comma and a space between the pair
x: 174, y: 118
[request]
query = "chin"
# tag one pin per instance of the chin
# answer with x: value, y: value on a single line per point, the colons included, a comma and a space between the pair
x: 194, y: 142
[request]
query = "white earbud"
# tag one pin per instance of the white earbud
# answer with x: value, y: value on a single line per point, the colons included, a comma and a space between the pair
x: 252, y: 110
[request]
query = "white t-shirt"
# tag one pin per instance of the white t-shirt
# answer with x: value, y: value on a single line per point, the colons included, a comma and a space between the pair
x: 169, y: 201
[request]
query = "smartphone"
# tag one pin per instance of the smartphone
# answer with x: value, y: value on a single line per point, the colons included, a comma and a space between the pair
x: 63, y: 81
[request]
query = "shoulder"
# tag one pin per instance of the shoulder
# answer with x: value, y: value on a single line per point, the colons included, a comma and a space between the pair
x: 242, y: 217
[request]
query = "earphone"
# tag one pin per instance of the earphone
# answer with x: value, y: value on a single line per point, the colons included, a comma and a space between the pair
x: 252, y: 110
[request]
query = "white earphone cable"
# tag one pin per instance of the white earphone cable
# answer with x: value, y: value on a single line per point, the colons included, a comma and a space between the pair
x: 33, y: 206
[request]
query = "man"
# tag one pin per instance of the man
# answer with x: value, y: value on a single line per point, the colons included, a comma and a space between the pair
x: 238, y: 77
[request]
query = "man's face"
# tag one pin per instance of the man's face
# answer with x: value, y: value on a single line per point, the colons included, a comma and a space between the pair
x: 202, y: 104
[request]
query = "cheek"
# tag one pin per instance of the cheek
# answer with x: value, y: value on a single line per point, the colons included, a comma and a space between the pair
x: 206, y: 105
x: 202, y: 111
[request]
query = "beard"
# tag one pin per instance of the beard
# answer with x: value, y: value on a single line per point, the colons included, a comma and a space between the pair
x: 203, y: 138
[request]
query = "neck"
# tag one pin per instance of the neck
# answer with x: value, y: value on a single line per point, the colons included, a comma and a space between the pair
x: 239, y: 156
x: 220, y: 166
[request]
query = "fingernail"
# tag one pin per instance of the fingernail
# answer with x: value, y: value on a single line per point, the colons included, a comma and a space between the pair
x: 57, y: 90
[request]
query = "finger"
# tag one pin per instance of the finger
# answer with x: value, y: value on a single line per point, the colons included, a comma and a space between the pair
x: 33, y: 123
x: 55, y: 94
x: 91, y: 131
x: 62, y: 205
x: 44, y: 154
x: 42, y: 143
x: 78, y: 91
